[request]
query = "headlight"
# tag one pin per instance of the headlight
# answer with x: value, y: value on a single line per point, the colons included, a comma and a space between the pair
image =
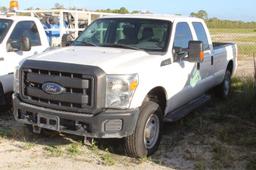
x: 16, y: 81
x: 120, y: 90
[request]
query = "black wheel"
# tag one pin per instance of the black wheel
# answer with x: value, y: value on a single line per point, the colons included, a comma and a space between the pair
x: 8, y: 103
x: 223, y: 89
x: 146, y: 137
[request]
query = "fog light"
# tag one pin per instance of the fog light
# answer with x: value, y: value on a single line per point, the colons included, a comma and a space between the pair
x: 113, y: 125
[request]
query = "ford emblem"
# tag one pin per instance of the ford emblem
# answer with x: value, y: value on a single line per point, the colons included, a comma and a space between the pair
x: 53, y: 88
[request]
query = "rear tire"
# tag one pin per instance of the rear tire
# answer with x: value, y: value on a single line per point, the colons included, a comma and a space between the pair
x: 146, y: 138
x: 223, y: 90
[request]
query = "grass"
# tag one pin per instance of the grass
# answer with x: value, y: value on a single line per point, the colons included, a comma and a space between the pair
x: 200, y: 165
x: 246, y: 50
x: 94, y: 148
x: 28, y: 145
x: 222, y: 157
x: 5, y: 132
x: 108, y: 159
x: 248, y: 39
x: 251, y: 165
x: 228, y: 127
x: 105, y: 156
x: 74, y: 149
x: 223, y: 30
x: 54, y: 151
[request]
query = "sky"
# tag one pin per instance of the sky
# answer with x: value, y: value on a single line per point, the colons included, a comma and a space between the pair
x: 224, y: 9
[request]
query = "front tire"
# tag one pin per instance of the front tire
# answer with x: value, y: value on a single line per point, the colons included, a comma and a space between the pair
x: 146, y: 138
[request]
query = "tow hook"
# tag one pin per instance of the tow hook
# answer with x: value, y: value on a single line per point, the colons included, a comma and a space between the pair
x: 88, y: 141
x: 36, y: 129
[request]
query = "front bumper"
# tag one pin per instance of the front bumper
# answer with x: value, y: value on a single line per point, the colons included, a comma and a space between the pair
x: 107, y: 124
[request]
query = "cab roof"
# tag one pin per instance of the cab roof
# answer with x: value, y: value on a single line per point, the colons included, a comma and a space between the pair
x: 166, y: 17
x: 18, y: 18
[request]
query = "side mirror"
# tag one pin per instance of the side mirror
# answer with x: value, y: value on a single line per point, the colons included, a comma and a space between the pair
x: 13, y: 46
x: 25, y: 44
x: 195, y: 51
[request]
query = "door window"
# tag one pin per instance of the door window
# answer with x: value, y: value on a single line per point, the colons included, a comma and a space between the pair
x: 28, y: 29
x: 182, y: 35
x: 181, y: 40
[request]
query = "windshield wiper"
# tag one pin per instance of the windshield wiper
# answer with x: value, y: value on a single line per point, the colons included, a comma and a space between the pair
x: 84, y: 43
x: 120, y: 46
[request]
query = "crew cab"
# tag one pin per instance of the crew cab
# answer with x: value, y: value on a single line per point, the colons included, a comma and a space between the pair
x: 122, y: 78
x: 14, y: 34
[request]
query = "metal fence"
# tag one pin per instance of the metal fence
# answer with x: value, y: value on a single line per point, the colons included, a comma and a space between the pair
x: 246, y: 43
x: 244, y: 38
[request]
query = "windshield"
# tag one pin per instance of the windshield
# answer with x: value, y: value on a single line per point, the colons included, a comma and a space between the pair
x: 5, y: 24
x: 138, y: 34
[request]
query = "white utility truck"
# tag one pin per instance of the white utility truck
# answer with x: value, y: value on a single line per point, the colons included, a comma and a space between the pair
x: 15, y: 32
x: 122, y: 78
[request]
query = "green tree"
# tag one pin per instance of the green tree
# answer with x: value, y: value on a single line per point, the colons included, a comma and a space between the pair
x: 136, y: 12
x: 122, y: 10
x: 200, y: 14
x: 3, y: 9
x: 58, y: 6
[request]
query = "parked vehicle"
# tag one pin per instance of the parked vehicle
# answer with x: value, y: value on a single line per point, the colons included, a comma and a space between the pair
x: 122, y: 78
x: 15, y: 32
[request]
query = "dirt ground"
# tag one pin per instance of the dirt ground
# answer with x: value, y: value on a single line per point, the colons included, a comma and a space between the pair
x: 181, y: 148
x: 245, y: 67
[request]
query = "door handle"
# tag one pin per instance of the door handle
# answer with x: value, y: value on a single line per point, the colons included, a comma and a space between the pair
x: 1, y: 59
x: 211, y: 60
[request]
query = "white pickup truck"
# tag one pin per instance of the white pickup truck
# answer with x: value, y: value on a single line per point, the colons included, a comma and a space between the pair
x: 14, y: 32
x: 122, y: 78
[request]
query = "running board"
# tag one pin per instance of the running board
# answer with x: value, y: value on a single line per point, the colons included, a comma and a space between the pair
x: 186, y: 109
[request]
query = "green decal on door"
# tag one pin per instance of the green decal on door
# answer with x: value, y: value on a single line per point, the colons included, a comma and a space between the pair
x: 195, y: 78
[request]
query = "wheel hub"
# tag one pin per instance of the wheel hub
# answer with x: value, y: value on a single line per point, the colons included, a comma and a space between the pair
x: 151, y: 131
x: 226, y: 86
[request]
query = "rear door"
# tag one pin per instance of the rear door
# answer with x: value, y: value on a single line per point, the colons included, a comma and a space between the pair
x: 206, y: 68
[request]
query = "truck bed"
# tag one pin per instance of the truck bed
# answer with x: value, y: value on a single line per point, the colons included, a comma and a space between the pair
x: 217, y: 45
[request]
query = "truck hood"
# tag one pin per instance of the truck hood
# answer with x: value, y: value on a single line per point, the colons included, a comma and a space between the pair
x: 111, y: 60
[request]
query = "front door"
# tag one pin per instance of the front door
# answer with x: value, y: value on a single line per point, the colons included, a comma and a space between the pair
x: 184, y: 75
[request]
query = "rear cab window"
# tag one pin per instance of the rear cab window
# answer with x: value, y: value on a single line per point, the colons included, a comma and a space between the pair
x: 201, y: 34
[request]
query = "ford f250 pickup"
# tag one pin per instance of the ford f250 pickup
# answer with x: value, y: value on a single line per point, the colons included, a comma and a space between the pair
x: 15, y: 31
x: 122, y: 78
